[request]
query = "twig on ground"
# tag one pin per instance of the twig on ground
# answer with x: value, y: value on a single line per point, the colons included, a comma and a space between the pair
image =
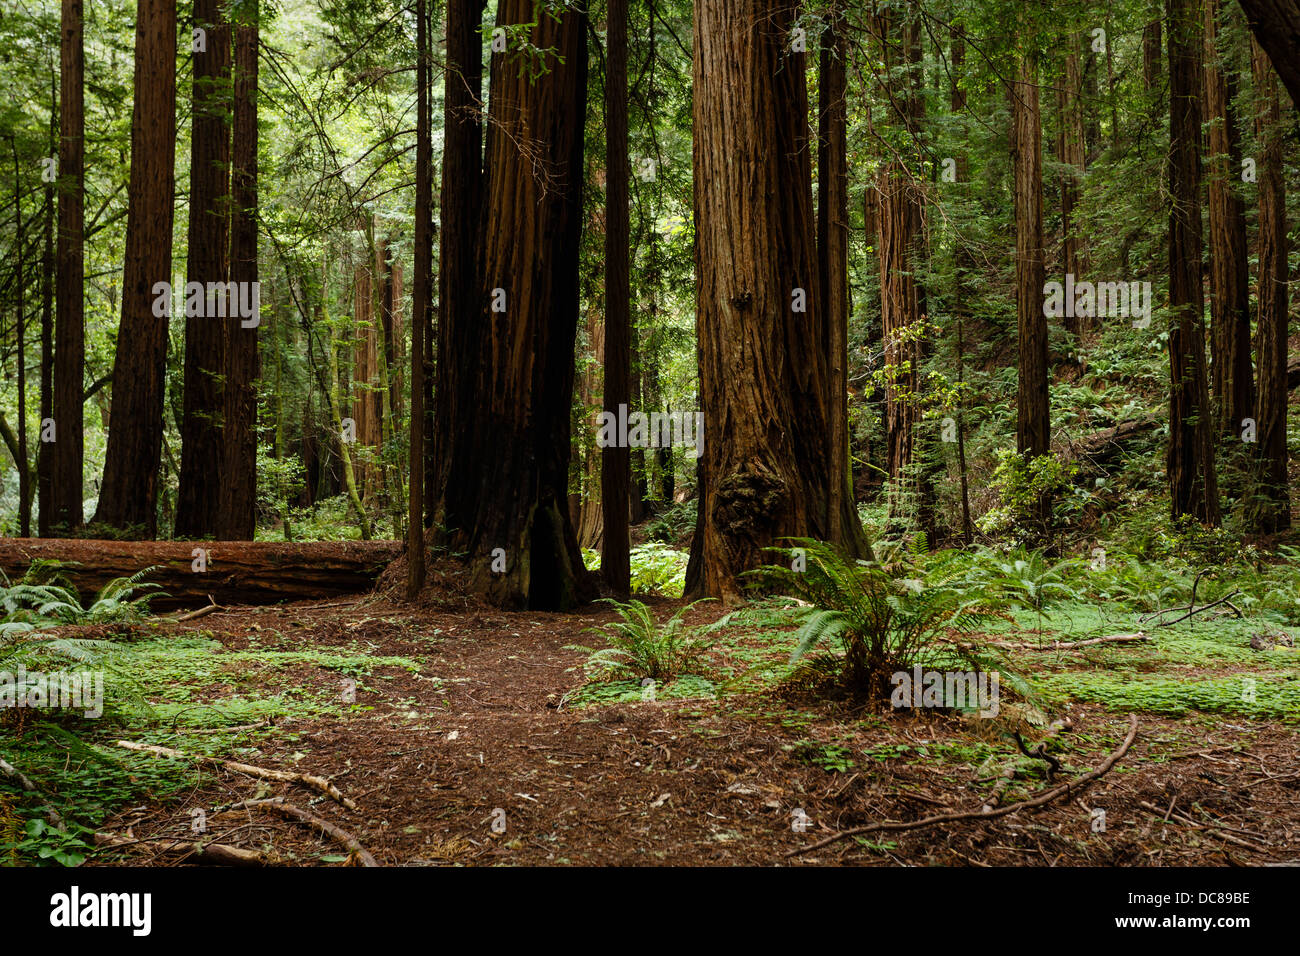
x: 319, y: 784
x: 219, y: 853
x: 1045, y: 797
x: 13, y: 773
x: 278, y: 805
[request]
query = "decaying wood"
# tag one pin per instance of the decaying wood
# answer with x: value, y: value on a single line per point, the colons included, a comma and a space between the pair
x: 237, y: 572
x: 319, y: 784
x: 16, y: 775
x: 1047, y: 796
x: 278, y: 805
x: 220, y: 854
x: 1103, y: 444
x: 1136, y: 638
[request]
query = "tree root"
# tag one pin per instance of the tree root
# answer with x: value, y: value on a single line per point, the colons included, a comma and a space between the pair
x: 278, y: 805
x: 1043, y: 798
x: 319, y: 784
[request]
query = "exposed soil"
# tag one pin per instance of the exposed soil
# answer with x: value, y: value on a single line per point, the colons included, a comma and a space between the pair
x: 697, y: 782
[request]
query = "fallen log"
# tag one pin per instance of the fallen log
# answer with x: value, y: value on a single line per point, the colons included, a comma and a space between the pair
x: 1103, y: 444
x: 229, y: 572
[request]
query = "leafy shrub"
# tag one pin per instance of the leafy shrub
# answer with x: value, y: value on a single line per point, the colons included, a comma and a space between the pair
x: 888, y: 615
x: 658, y: 568
x: 1022, y: 486
x: 675, y: 524
x: 642, y: 648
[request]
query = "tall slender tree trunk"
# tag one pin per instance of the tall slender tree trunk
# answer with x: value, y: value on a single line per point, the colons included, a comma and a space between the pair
x: 509, y: 431
x: 129, y: 496
x: 616, y: 460
x: 1272, y: 512
x: 1193, y: 482
x: 764, y: 473
x: 964, y: 266
x: 202, y: 444
x: 1033, y: 410
x: 460, y: 209
x: 44, y: 461
x: 24, y: 471
x: 1072, y: 155
x: 237, y: 513
x: 1233, y: 380
x: 833, y: 262
x: 1276, y: 26
x: 420, y: 304
x: 65, y: 514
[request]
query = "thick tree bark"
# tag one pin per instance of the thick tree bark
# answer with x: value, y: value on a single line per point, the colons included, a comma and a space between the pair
x: 1233, y: 379
x: 616, y: 460
x: 129, y: 495
x: 833, y: 264
x: 65, y: 452
x: 237, y: 513
x: 202, y: 444
x: 764, y: 474
x: 458, y: 335
x: 964, y: 267
x: 1276, y: 26
x: 1033, y: 411
x: 1272, y: 508
x: 423, y: 264
x: 1193, y: 482
x: 508, y: 436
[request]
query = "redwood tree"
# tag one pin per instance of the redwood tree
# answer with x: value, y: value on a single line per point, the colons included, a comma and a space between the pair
x: 1271, y: 510
x: 237, y: 512
x: 764, y: 473
x: 65, y: 452
x: 1193, y: 482
x: 1033, y: 419
x: 505, y: 456
x: 202, y: 445
x: 419, y: 304
x: 129, y: 495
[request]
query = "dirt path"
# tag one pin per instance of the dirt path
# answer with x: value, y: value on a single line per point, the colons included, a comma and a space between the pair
x: 488, y: 738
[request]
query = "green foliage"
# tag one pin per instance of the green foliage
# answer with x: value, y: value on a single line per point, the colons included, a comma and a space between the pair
x: 1023, y: 485
x: 642, y: 648
x: 674, y: 523
x: 658, y: 569
x: 887, y: 615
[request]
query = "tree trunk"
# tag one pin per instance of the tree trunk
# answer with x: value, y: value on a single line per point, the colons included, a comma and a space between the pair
x: 458, y: 336
x: 24, y: 471
x: 616, y: 460
x: 202, y: 444
x: 237, y: 514
x: 1272, y: 512
x: 129, y: 496
x: 65, y: 514
x: 1033, y: 410
x: 1276, y: 26
x: 423, y: 264
x: 44, y: 461
x: 1071, y: 153
x: 1234, y: 387
x: 1193, y: 482
x: 508, y: 437
x: 833, y: 263
x: 764, y: 473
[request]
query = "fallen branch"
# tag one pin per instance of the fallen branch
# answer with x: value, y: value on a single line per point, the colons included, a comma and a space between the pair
x: 13, y: 773
x: 1227, y: 599
x: 1137, y: 638
x: 1180, y: 817
x: 201, y: 612
x: 1045, y: 797
x: 1009, y: 771
x: 319, y: 784
x: 277, y: 805
x: 220, y: 854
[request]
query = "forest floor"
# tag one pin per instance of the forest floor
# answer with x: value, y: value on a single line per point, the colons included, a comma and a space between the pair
x: 466, y: 718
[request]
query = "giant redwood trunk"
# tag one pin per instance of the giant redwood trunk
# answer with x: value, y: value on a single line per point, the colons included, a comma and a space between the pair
x: 61, y: 511
x: 1033, y: 423
x: 764, y: 473
x: 129, y: 495
x: 1271, y: 511
x: 202, y: 446
x: 420, y: 291
x: 461, y: 204
x: 505, y: 503
x: 237, y: 514
x: 1234, y: 386
x: 1193, y: 482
